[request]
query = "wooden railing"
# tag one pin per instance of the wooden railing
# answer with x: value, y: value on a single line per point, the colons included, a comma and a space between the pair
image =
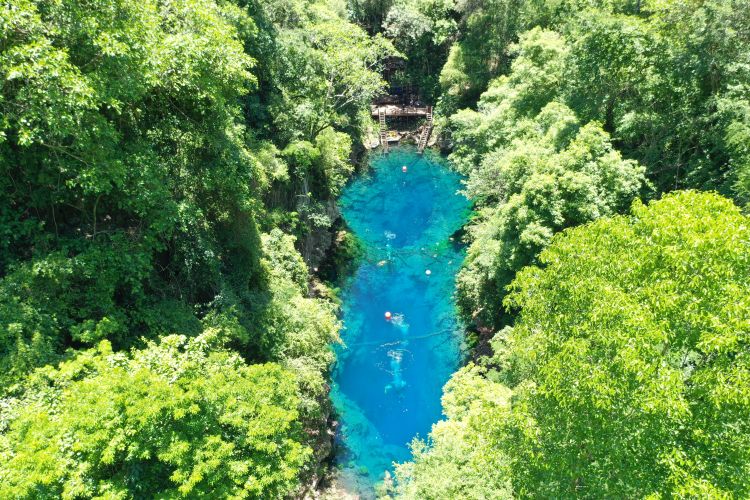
x: 400, y: 111
x: 426, y: 131
x: 383, y: 129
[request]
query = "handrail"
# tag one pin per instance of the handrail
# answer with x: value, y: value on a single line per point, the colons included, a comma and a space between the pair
x: 383, y: 129
x: 426, y: 130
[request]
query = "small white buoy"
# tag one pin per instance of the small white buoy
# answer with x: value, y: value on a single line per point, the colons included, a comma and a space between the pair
x: 428, y: 272
x: 404, y: 169
x: 388, y: 315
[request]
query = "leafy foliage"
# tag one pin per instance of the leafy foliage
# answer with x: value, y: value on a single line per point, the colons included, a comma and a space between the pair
x: 540, y: 171
x: 147, y: 150
x: 658, y: 75
x: 107, y: 192
x: 423, y: 30
x: 628, y: 363
x: 176, y: 419
x: 459, y: 461
x: 627, y: 359
x: 649, y: 90
x: 167, y: 174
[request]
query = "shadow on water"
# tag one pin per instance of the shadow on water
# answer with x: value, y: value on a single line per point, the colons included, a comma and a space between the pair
x: 390, y: 373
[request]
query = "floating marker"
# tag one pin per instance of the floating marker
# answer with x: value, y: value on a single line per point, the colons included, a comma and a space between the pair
x: 404, y: 169
x: 388, y: 315
x: 428, y: 272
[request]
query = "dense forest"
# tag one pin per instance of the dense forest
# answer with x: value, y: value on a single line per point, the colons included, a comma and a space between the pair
x: 606, y: 146
x: 169, y: 237
x: 165, y: 168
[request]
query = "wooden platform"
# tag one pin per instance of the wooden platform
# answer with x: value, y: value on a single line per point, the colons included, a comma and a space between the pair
x: 393, y: 110
x: 383, y: 111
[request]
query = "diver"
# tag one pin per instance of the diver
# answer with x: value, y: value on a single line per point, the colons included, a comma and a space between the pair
x: 398, y: 382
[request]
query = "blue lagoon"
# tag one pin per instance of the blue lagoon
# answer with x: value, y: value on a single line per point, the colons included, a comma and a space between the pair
x: 401, y: 335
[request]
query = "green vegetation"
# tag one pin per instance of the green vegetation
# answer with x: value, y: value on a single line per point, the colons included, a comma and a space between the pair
x: 665, y: 82
x: 168, y: 174
x: 626, y: 374
x: 538, y: 171
x: 181, y: 418
x: 667, y: 79
x: 617, y: 363
x: 163, y: 167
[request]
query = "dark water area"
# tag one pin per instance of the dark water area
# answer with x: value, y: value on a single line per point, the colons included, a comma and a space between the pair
x: 389, y: 376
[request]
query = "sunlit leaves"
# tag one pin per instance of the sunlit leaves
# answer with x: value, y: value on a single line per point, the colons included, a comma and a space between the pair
x: 174, y: 419
x: 637, y: 360
x: 533, y: 169
x: 628, y: 366
x: 459, y: 460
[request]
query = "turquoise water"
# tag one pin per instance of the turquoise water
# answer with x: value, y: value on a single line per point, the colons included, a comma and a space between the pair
x: 389, y: 375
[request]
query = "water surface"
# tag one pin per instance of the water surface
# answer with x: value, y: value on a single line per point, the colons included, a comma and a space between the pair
x: 389, y: 376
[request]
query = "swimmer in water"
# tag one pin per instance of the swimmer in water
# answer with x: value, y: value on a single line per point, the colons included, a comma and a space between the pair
x: 397, y: 383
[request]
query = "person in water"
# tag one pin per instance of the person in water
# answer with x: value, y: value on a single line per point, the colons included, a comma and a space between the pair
x: 397, y: 356
x: 397, y: 383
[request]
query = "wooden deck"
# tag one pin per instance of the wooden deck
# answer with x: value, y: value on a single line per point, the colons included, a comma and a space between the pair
x: 392, y: 110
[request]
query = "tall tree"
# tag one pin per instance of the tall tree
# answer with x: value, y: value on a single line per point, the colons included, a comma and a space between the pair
x: 628, y: 364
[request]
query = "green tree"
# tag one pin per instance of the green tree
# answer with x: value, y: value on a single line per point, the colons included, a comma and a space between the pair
x: 458, y: 460
x: 535, y: 80
x: 370, y: 14
x: 120, y: 141
x: 181, y: 418
x: 539, y: 192
x: 423, y: 30
x: 487, y: 30
x: 154, y: 159
x: 629, y: 361
x: 533, y: 170
x: 144, y: 148
x: 628, y: 365
x: 667, y: 79
x: 340, y: 64
x: 657, y: 81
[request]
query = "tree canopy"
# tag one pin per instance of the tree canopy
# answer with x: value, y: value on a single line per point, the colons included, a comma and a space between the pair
x: 175, y: 419
x: 611, y: 348
x: 626, y: 372
x: 534, y: 170
x: 169, y: 168
x: 168, y: 180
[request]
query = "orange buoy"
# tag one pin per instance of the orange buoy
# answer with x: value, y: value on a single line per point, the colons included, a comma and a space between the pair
x: 387, y: 315
x: 404, y: 169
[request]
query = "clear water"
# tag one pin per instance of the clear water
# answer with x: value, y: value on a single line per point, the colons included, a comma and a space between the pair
x: 389, y: 375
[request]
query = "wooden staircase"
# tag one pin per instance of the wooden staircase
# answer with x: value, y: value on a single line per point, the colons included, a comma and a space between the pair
x: 383, y: 129
x: 426, y: 131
